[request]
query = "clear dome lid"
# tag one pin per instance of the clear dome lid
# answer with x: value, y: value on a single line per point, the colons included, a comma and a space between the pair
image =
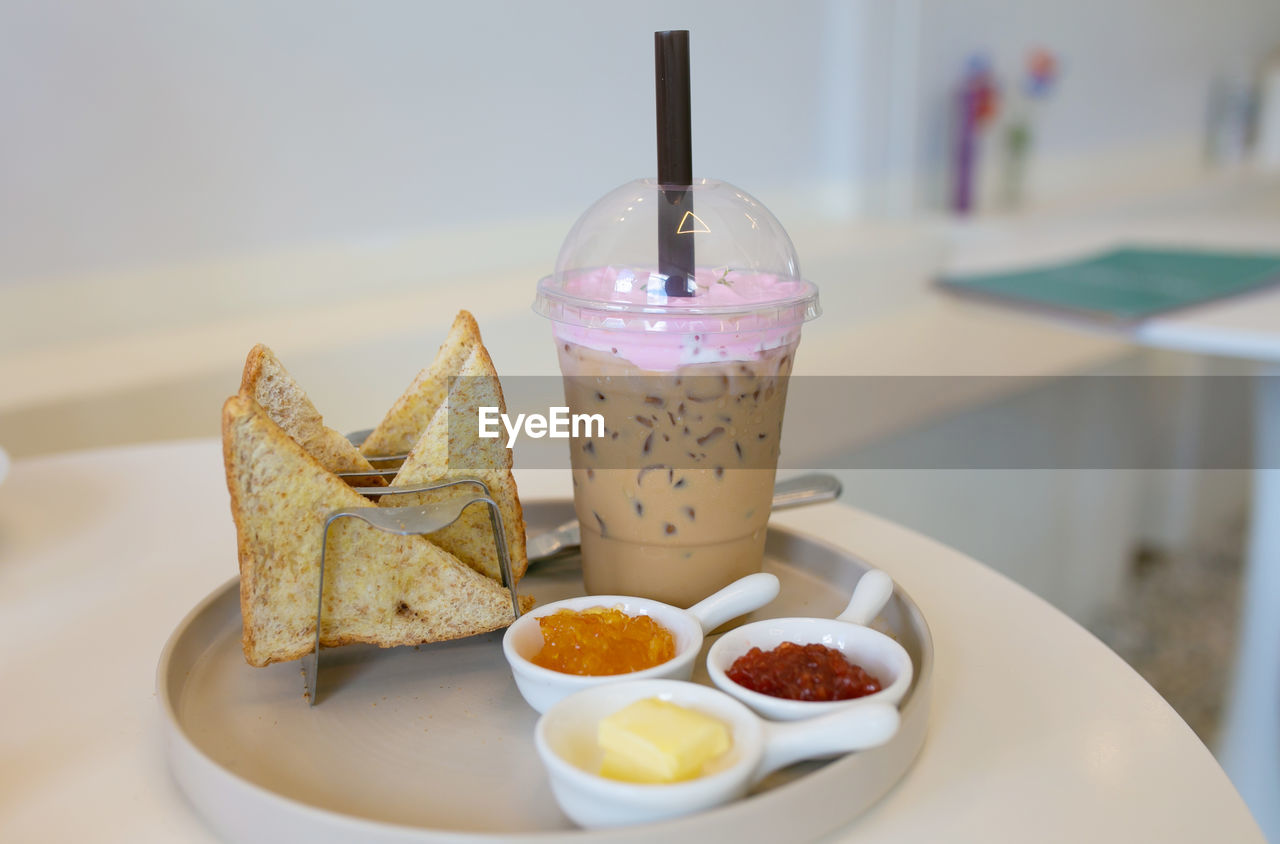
x: 719, y: 245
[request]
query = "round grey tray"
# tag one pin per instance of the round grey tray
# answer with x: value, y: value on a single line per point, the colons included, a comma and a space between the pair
x: 434, y: 743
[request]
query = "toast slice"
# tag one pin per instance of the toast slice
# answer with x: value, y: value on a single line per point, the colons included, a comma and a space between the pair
x: 380, y: 588
x: 267, y: 382
x: 404, y: 423
x: 452, y: 448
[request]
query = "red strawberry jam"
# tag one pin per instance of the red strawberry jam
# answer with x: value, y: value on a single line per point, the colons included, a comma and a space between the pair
x: 802, y: 672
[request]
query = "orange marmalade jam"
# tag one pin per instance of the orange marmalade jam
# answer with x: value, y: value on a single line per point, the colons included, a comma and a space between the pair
x: 600, y: 640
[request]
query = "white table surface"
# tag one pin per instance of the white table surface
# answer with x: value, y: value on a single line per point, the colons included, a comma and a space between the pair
x: 1038, y: 732
x: 1242, y: 327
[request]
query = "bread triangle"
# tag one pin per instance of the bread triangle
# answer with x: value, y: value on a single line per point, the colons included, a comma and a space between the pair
x: 408, y: 417
x: 452, y: 448
x: 380, y: 588
x: 267, y: 382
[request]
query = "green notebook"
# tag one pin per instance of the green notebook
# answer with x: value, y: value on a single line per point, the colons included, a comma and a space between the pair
x: 1129, y: 283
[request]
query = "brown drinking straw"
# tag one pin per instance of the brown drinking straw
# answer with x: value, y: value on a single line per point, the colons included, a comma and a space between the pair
x: 675, y: 159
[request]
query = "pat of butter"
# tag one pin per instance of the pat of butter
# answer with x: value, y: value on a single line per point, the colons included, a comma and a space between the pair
x: 655, y: 741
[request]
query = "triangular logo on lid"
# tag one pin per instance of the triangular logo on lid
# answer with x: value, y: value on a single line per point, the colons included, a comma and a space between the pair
x: 691, y: 224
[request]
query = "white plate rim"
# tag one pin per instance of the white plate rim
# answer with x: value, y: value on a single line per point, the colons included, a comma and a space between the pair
x: 212, y: 788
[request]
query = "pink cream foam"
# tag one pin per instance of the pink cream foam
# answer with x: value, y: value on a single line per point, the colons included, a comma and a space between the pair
x: 666, y: 341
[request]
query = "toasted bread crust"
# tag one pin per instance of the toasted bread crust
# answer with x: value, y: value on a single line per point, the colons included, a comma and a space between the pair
x: 405, y: 422
x: 451, y: 448
x: 267, y: 381
x: 380, y: 588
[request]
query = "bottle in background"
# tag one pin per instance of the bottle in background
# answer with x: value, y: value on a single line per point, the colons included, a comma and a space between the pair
x: 1267, y: 138
x: 1232, y: 104
x: 1019, y: 132
x: 976, y: 105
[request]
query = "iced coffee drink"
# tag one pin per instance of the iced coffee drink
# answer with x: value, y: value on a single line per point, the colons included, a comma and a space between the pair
x: 673, y: 495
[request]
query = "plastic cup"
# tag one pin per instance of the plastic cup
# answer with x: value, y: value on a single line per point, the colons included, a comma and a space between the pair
x: 681, y: 397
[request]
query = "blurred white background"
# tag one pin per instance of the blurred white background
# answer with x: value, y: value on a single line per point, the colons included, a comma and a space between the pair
x: 141, y: 133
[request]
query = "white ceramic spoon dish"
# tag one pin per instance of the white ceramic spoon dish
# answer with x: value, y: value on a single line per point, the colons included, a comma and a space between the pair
x: 881, y: 656
x: 542, y: 687
x: 566, y: 740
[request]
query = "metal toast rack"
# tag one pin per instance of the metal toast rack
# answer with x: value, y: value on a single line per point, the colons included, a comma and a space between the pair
x: 406, y: 521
